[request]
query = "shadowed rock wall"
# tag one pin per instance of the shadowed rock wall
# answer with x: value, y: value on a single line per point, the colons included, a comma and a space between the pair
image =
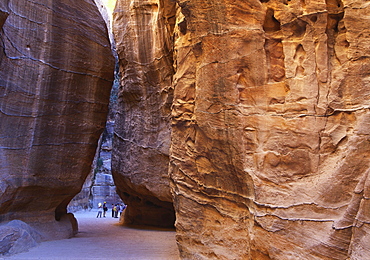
x: 56, y: 71
x: 143, y: 35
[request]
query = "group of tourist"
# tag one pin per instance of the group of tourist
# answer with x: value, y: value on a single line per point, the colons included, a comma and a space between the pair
x: 117, y: 209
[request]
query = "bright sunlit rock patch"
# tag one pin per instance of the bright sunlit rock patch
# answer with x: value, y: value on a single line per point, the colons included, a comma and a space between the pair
x: 109, y: 4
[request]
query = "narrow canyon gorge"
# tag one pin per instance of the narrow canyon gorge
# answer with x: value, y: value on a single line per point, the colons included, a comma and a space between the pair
x: 243, y: 123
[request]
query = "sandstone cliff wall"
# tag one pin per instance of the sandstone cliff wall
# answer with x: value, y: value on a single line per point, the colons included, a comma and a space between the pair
x: 56, y: 71
x: 270, y: 139
x: 141, y: 142
x: 269, y: 153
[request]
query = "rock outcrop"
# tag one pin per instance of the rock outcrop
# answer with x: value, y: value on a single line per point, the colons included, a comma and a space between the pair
x: 56, y: 71
x: 141, y: 141
x: 270, y: 118
x: 16, y: 236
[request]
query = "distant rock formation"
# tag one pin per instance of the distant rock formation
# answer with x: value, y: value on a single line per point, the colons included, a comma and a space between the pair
x: 56, y: 72
x: 270, y: 150
x: 99, y: 186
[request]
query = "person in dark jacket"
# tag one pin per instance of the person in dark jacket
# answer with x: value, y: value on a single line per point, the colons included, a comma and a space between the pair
x: 105, y: 209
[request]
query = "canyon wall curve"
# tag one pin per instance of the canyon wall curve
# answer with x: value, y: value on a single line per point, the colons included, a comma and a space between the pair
x: 55, y: 80
x: 140, y: 157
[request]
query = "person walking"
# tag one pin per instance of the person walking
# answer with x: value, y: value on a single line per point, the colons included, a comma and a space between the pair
x: 112, y: 210
x: 100, y: 210
x: 105, y: 209
x: 116, y: 209
x: 121, y: 209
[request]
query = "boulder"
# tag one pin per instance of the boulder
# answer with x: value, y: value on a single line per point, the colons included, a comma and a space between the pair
x: 16, y: 236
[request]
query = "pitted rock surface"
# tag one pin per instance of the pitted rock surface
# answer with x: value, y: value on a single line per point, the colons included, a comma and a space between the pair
x: 269, y: 153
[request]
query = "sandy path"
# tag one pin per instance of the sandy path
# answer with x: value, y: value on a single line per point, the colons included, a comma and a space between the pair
x: 103, y: 238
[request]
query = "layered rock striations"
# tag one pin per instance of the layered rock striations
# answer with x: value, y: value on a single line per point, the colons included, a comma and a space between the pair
x: 56, y: 71
x: 270, y: 129
x: 140, y: 157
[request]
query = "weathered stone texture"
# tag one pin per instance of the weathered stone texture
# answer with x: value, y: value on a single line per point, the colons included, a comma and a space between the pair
x: 269, y: 155
x: 56, y: 71
x: 141, y: 142
x: 270, y: 129
x: 16, y: 236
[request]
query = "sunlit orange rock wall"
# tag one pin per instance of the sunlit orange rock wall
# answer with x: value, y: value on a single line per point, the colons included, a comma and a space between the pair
x: 269, y: 154
x: 270, y: 138
x: 56, y: 71
x: 140, y: 157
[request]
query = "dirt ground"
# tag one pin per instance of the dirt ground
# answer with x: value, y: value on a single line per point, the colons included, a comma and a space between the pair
x: 104, y: 238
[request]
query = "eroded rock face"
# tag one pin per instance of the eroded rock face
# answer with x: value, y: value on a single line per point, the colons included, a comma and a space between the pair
x: 269, y: 153
x: 143, y: 31
x: 55, y: 79
x: 270, y: 139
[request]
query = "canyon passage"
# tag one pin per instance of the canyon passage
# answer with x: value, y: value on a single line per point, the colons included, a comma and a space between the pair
x: 105, y: 238
x: 243, y: 123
